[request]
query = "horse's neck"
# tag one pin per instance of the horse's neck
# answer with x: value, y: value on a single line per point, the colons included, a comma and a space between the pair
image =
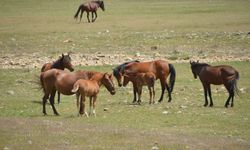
x: 97, y: 79
x: 200, y: 69
x: 58, y: 65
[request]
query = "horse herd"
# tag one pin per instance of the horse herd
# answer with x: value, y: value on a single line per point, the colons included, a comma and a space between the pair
x: 87, y: 83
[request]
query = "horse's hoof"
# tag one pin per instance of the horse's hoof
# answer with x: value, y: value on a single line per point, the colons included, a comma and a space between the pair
x: 211, y: 105
x: 159, y: 101
x: 226, y: 106
x: 232, y: 105
x: 44, y: 114
x: 57, y: 114
x: 205, y: 105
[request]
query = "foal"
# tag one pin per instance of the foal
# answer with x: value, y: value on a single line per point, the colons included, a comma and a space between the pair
x: 142, y: 79
x: 90, y: 88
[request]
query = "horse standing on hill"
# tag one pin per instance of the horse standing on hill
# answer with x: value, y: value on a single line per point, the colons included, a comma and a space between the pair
x: 90, y: 88
x: 58, y: 80
x: 63, y: 62
x: 142, y: 79
x: 216, y: 75
x: 161, y: 69
x: 92, y: 7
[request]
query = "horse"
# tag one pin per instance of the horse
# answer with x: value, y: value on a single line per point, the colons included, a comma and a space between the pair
x: 92, y: 7
x: 162, y: 69
x: 90, y: 88
x: 142, y: 79
x: 216, y: 75
x: 63, y: 62
x: 58, y: 80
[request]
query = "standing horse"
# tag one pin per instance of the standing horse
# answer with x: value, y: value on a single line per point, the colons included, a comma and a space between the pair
x: 63, y: 62
x: 58, y: 80
x: 92, y: 7
x: 216, y: 75
x: 142, y: 79
x: 160, y: 68
x: 90, y: 88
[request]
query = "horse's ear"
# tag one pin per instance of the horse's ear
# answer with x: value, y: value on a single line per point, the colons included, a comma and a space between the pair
x: 62, y: 55
x: 197, y: 61
x: 190, y: 62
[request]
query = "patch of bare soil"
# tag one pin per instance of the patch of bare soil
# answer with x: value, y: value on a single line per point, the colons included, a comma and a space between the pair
x: 34, y: 60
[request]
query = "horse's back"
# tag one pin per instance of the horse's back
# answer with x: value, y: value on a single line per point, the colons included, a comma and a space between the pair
x: 46, y: 66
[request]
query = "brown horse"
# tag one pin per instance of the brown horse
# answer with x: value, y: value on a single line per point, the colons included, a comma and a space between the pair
x: 90, y: 88
x: 63, y: 62
x: 92, y: 7
x: 142, y: 79
x: 58, y: 80
x: 160, y: 68
x: 216, y: 75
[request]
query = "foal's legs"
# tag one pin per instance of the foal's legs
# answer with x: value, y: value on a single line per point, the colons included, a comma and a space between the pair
x: 150, y: 94
x: 82, y: 106
x: 94, y: 104
x: 139, y: 90
x: 153, y: 94
x: 52, y: 101
x: 210, y: 96
x: 90, y: 105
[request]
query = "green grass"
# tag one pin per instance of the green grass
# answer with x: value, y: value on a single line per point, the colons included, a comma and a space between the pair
x: 179, y: 29
x: 125, y: 126
x: 189, y: 26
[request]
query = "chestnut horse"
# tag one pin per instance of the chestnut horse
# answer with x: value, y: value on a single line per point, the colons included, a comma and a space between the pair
x: 90, y: 88
x: 142, y: 79
x: 160, y: 68
x: 216, y: 75
x: 58, y: 80
x: 63, y: 62
x: 92, y: 7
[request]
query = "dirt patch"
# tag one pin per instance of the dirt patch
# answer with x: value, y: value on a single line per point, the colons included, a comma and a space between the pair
x: 34, y: 60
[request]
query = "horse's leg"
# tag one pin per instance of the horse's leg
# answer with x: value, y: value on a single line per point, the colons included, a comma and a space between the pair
x: 58, y: 97
x: 90, y: 105
x: 205, y: 93
x: 134, y: 92
x: 45, y: 97
x: 169, y: 93
x: 150, y: 94
x: 153, y: 94
x: 228, y: 87
x: 94, y: 105
x: 92, y: 15
x: 52, y: 101
x: 88, y: 16
x: 81, y: 15
x: 95, y: 16
x: 139, y: 89
x: 163, y: 87
x: 210, y: 96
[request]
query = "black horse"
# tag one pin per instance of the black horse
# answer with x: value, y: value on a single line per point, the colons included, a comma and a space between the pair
x: 92, y: 7
x: 216, y: 75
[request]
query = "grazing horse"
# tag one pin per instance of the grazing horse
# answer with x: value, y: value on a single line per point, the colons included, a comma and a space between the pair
x: 63, y: 62
x: 216, y: 75
x: 90, y: 88
x: 92, y: 7
x: 142, y: 79
x: 160, y: 68
x: 58, y: 80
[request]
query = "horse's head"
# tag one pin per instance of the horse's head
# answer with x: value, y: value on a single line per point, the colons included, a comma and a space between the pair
x: 107, y: 81
x: 118, y: 76
x: 101, y: 4
x: 194, y: 68
x: 66, y: 62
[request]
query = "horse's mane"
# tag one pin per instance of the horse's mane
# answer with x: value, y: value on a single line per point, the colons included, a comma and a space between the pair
x: 122, y: 66
x: 200, y: 64
x: 57, y: 63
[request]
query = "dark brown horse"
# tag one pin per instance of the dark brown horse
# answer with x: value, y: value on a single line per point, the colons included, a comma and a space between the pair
x: 58, y: 80
x: 90, y: 88
x: 160, y: 68
x: 216, y: 75
x: 63, y: 62
x: 92, y: 7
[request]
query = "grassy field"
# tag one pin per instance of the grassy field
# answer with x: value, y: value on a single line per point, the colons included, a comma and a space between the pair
x: 183, y: 28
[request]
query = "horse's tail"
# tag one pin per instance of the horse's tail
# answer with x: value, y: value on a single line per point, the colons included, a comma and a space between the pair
x: 76, y: 15
x: 41, y: 82
x: 75, y: 88
x: 234, y: 82
x: 172, y: 77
